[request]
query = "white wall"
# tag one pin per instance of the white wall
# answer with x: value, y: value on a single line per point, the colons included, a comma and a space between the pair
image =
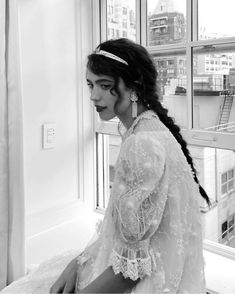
x: 204, y: 106
x: 55, y: 38
x: 48, y: 61
x: 232, y: 113
x: 177, y: 106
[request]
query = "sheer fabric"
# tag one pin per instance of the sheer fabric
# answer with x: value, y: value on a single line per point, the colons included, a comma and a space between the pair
x: 152, y: 228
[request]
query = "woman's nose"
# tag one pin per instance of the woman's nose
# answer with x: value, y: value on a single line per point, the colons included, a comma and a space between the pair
x: 94, y: 95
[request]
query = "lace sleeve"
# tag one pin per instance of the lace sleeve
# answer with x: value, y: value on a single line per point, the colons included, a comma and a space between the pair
x: 140, y: 193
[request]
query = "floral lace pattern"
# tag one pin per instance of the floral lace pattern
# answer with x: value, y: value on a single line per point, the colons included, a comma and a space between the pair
x: 132, y: 268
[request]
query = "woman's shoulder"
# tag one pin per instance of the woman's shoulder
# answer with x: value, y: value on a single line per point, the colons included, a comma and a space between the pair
x: 144, y: 142
x: 149, y: 121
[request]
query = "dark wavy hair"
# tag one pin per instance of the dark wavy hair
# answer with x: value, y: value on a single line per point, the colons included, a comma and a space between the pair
x: 140, y: 75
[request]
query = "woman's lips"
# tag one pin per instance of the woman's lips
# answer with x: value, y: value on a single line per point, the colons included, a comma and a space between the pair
x: 100, y: 108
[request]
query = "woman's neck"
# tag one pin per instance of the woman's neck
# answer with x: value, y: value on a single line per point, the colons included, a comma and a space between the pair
x: 127, y: 119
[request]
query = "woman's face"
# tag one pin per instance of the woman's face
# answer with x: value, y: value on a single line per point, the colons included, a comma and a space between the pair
x: 104, y: 100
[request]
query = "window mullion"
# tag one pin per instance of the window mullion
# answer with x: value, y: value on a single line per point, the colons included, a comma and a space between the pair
x: 100, y: 175
x: 96, y: 23
x: 209, y: 139
x: 194, y: 16
x: 138, y: 20
x: 143, y: 21
x: 105, y: 170
x: 177, y: 48
x: 227, y: 42
x: 103, y: 20
x: 189, y: 59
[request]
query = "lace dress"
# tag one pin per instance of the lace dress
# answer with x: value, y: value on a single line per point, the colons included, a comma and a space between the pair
x: 152, y: 225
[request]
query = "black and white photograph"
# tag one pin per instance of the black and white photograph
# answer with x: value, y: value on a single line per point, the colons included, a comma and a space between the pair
x: 117, y: 146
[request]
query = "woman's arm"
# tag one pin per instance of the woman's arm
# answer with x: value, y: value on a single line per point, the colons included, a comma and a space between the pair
x: 108, y: 282
x: 67, y: 280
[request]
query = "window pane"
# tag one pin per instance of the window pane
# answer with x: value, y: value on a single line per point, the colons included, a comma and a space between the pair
x: 224, y: 229
x: 114, y: 148
x: 108, y: 147
x: 121, y: 19
x: 211, y: 164
x: 224, y: 178
x: 231, y: 174
x: 230, y: 185
x: 171, y: 82
x: 231, y: 224
x: 224, y: 189
x: 214, y: 88
x: 166, y: 22
x: 219, y: 24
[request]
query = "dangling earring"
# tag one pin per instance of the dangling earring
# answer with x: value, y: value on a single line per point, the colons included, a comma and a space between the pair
x: 134, y: 99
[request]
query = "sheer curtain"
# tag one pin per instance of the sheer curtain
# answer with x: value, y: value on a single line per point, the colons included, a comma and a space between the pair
x: 12, y: 239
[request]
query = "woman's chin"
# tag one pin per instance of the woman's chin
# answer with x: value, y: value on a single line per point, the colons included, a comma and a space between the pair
x: 106, y: 116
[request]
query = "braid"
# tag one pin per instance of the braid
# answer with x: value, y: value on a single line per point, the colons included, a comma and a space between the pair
x: 140, y: 75
x: 175, y: 130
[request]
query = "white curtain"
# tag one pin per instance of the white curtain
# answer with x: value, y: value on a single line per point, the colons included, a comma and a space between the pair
x: 12, y: 237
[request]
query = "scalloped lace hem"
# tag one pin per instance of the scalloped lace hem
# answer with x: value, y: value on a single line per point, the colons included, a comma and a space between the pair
x: 131, y: 268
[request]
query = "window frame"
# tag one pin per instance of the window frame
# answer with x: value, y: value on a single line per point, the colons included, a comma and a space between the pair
x: 194, y: 137
x: 226, y: 182
x: 227, y: 234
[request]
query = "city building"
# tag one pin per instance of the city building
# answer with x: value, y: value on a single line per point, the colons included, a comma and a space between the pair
x: 166, y: 25
x: 121, y: 20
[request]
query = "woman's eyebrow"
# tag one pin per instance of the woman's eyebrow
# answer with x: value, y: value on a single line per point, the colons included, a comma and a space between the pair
x: 101, y: 80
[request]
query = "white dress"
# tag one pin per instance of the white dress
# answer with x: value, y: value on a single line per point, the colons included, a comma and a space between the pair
x: 152, y: 225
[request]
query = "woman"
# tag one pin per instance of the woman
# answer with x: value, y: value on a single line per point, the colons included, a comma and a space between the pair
x: 150, y: 240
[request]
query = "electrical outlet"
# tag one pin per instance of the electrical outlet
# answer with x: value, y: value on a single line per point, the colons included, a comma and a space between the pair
x: 48, y: 135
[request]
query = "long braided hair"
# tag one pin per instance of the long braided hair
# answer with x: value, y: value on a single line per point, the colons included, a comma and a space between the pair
x: 140, y: 75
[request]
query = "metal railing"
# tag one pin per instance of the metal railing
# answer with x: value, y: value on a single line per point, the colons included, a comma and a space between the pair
x: 228, y: 127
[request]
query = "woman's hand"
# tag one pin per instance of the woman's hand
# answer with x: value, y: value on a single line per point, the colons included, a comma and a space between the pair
x: 67, y: 280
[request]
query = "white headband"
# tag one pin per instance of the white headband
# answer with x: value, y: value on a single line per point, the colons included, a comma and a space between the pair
x: 110, y: 55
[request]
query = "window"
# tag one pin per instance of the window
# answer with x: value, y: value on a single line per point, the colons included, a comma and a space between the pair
x: 108, y: 149
x: 124, y: 19
x: 227, y: 231
x: 218, y: 25
x: 231, y: 224
x: 160, y: 13
x: 195, y: 59
x: 124, y: 10
x: 224, y: 229
x: 170, y: 71
x: 227, y: 182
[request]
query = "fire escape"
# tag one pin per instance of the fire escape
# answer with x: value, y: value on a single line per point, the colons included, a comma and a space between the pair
x: 226, y: 108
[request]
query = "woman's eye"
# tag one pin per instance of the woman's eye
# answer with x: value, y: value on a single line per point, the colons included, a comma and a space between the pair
x: 105, y: 87
x: 90, y: 86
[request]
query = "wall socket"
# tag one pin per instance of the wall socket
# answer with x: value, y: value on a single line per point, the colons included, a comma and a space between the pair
x: 48, y: 135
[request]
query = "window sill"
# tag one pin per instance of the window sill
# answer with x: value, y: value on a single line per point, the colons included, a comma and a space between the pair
x: 219, y: 267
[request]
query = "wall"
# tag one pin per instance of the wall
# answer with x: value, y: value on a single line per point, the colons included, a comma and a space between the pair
x: 55, y: 39
x: 204, y: 106
x: 49, y: 95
